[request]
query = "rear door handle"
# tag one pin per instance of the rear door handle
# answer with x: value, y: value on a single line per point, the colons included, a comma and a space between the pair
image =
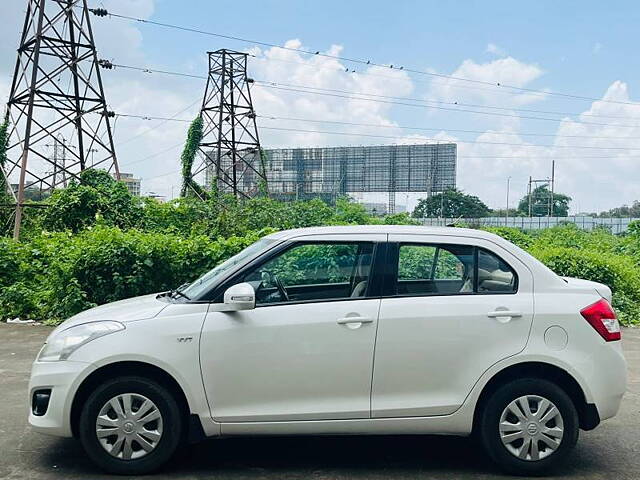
x: 504, y: 313
x: 354, y: 320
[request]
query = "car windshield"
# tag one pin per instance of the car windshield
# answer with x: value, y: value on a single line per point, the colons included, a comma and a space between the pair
x: 206, y: 281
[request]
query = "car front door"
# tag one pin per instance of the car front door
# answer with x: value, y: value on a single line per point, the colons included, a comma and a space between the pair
x: 306, y: 351
x: 453, y: 307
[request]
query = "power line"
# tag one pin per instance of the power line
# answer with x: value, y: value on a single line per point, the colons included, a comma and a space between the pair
x: 153, y: 155
x: 402, y: 127
x: 461, y: 104
x: 409, y: 104
x: 481, y: 142
x: 104, y: 12
x: 427, y: 102
x: 163, y: 121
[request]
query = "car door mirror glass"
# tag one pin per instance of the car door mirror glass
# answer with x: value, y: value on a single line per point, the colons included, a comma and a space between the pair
x: 241, y: 296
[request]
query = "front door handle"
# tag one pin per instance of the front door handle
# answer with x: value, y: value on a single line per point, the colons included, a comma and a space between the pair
x: 354, y: 322
x: 504, y: 313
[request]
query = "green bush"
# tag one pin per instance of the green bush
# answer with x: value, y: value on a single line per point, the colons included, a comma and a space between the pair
x: 57, y: 275
x: 514, y: 235
x: 96, y: 243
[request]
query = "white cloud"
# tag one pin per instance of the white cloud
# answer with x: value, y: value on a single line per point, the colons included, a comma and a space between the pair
x: 494, y: 49
x: 320, y: 72
x: 595, y: 184
x: 504, y: 71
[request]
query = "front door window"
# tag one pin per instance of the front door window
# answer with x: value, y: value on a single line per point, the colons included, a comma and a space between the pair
x: 313, y: 271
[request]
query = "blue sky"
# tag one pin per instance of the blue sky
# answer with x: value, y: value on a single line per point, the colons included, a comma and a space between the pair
x: 586, y: 48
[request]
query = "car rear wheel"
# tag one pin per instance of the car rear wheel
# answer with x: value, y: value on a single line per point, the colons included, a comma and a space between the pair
x: 130, y: 425
x: 528, y: 426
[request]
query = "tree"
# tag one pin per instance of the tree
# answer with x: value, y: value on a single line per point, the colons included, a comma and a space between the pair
x: 451, y: 203
x: 98, y: 196
x: 623, y: 211
x: 194, y: 135
x: 541, y: 200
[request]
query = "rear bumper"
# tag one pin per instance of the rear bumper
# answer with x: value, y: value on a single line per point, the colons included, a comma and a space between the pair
x: 608, y: 380
x: 62, y: 379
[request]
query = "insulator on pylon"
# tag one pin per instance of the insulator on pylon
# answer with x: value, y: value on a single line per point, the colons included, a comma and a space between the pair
x: 106, y: 64
x: 99, y: 12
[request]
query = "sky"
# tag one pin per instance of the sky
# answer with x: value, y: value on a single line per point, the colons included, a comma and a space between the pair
x: 555, y: 51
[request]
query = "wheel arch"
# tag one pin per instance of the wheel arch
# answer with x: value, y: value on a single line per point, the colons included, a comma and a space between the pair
x: 587, y: 412
x: 122, y: 368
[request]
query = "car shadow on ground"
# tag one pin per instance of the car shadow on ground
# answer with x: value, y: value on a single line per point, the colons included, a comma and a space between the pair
x: 317, y: 457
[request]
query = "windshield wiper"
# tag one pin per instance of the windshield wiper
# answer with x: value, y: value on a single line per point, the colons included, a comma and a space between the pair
x: 178, y: 292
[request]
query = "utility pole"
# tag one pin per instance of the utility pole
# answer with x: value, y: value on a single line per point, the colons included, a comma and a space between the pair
x: 553, y: 181
x: 529, y: 194
x: 57, y: 50
x: 59, y: 159
x: 506, y: 216
x: 230, y: 147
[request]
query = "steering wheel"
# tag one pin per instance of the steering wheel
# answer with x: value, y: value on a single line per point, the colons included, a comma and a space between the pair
x: 279, y: 285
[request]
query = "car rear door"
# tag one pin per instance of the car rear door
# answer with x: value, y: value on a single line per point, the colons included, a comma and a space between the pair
x: 439, y: 329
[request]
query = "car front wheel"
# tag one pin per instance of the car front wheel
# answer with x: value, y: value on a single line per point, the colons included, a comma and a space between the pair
x: 528, y: 426
x: 130, y: 425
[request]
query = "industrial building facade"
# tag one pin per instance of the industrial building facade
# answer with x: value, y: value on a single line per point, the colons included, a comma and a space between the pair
x: 328, y: 172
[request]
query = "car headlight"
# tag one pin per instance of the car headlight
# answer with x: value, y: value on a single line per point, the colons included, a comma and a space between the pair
x: 65, y: 342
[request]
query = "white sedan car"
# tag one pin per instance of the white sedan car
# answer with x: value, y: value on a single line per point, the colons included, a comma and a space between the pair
x: 341, y: 330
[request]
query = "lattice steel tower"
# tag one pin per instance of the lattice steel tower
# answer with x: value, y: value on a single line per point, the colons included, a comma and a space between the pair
x: 57, y: 92
x: 230, y: 147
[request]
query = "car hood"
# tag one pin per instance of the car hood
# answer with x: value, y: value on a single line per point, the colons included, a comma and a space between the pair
x: 129, y: 310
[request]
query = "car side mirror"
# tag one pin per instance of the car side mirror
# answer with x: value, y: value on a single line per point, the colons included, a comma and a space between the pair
x: 241, y: 296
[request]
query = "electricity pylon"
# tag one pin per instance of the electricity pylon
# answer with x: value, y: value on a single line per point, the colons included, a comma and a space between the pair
x: 230, y: 147
x: 56, y: 90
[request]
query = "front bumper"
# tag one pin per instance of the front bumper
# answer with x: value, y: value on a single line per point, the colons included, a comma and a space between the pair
x: 63, y: 379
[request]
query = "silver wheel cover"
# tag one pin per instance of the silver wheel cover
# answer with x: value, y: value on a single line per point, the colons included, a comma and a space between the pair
x: 531, y: 428
x: 129, y: 426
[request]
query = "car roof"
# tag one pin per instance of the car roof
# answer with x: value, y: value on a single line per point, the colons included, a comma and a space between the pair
x: 385, y: 229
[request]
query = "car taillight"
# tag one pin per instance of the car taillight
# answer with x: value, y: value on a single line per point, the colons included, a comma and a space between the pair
x: 601, y: 316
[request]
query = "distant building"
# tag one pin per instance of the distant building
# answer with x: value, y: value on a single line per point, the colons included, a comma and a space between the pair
x: 156, y: 196
x: 132, y: 183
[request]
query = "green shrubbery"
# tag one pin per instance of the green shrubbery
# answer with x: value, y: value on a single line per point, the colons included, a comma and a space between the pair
x: 95, y: 244
x: 56, y: 275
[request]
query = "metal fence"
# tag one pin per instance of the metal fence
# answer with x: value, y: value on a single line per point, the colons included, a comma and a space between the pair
x: 614, y: 225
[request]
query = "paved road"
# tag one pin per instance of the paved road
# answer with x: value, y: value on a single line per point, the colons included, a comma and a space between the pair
x: 612, y: 451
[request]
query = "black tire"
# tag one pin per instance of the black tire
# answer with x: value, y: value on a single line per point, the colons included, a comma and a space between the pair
x: 172, y: 425
x: 489, y: 426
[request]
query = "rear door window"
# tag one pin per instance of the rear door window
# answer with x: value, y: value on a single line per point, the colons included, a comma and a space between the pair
x: 425, y: 269
x: 494, y: 274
